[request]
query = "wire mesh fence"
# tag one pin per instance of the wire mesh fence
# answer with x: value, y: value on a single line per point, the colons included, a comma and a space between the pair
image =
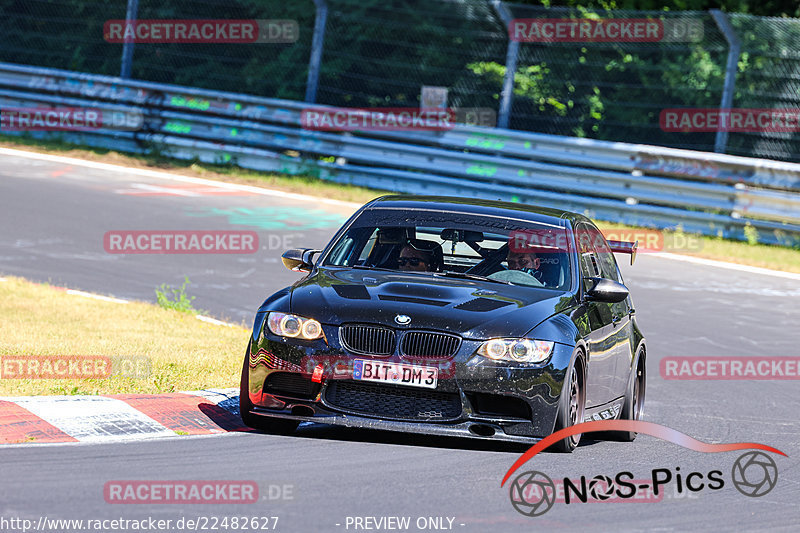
x: 768, y: 77
x: 381, y: 53
x: 616, y: 90
x: 378, y: 53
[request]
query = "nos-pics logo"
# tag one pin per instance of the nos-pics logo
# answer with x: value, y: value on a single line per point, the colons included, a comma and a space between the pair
x: 533, y: 493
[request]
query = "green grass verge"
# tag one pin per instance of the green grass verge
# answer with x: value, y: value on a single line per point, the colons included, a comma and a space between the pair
x: 152, y: 350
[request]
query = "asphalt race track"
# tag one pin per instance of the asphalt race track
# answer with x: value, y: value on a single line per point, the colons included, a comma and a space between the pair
x: 53, y: 216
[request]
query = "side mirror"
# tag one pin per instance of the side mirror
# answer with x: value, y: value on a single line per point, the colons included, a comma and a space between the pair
x: 299, y: 259
x: 606, y: 290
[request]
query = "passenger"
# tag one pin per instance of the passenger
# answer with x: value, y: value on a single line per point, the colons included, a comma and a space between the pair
x: 528, y: 262
x: 523, y: 261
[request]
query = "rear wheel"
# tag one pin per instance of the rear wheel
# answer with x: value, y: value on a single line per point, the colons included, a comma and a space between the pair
x: 634, y: 400
x: 571, y: 407
x: 270, y: 425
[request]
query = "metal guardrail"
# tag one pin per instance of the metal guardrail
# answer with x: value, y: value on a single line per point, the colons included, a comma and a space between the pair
x: 634, y: 184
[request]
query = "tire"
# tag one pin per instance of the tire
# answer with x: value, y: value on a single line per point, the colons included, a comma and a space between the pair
x: 571, y: 406
x: 634, y: 400
x: 278, y: 426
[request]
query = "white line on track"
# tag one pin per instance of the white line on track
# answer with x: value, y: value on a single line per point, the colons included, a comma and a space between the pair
x: 729, y: 266
x: 156, y: 188
x: 75, y: 292
x: 203, y: 318
x: 214, y: 321
x: 316, y: 199
x: 97, y: 296
x: 172, y: 177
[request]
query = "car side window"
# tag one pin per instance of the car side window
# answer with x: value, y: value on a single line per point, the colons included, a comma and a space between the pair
x: 590, y: 266
x: 608, y: 265
x: 339, y: 254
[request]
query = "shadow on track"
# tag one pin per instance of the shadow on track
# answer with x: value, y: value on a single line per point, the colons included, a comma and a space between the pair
x: 226, y: 416
x: 344, y: 434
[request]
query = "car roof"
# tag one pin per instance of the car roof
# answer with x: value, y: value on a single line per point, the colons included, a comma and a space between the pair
x: 478, y: 206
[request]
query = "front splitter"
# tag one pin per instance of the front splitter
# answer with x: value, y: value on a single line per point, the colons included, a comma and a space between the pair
x: 458, y: 429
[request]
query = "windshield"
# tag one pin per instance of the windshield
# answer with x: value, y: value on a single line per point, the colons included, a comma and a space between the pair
x: 469, y: 246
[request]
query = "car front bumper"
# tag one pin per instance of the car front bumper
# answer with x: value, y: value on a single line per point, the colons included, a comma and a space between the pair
x: 471, y: 381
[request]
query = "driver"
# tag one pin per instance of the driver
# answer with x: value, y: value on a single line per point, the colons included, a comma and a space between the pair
x: 414, y: 259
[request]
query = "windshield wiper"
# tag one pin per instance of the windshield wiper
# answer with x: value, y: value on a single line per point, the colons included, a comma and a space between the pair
x: 464, y: 275
x: 365, y: 267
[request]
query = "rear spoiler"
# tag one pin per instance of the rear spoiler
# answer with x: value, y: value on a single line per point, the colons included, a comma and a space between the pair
x: 622, y: 247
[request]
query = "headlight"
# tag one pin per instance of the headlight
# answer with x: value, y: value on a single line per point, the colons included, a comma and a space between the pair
x: 519, y: 350
x: 494, y: 349
x: 286, y: 325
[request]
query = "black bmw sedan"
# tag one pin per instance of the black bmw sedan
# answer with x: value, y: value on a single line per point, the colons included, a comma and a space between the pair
x: 450, y: 316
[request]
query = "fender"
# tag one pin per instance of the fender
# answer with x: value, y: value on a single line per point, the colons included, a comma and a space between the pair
x: 579, y: 351
x: 279, y: 301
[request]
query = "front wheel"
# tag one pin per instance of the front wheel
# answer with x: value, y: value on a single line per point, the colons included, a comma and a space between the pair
x: 634, y: 400
x: 571, y: 407
x: 270, y: 425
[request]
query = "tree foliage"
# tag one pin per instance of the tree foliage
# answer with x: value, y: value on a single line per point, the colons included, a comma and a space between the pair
x: 381, y: 52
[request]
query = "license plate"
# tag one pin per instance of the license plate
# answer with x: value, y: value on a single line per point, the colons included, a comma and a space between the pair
x: 399, y: 374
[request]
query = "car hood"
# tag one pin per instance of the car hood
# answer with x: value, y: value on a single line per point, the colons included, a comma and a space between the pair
x: 472, y: 309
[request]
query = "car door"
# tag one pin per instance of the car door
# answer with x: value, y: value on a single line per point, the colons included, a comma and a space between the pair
x: 620, y: 333
x: 601, y: 366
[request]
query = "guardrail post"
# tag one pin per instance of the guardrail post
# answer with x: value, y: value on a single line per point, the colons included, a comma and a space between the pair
x: 734, y: 49
x: 127, y: 48
x: 507, y: 93
x: 317, y: 41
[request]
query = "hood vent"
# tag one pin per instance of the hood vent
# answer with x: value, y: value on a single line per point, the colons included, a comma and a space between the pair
x: 352, y: 292
x: 482, y: 305
x: 413, y: 300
